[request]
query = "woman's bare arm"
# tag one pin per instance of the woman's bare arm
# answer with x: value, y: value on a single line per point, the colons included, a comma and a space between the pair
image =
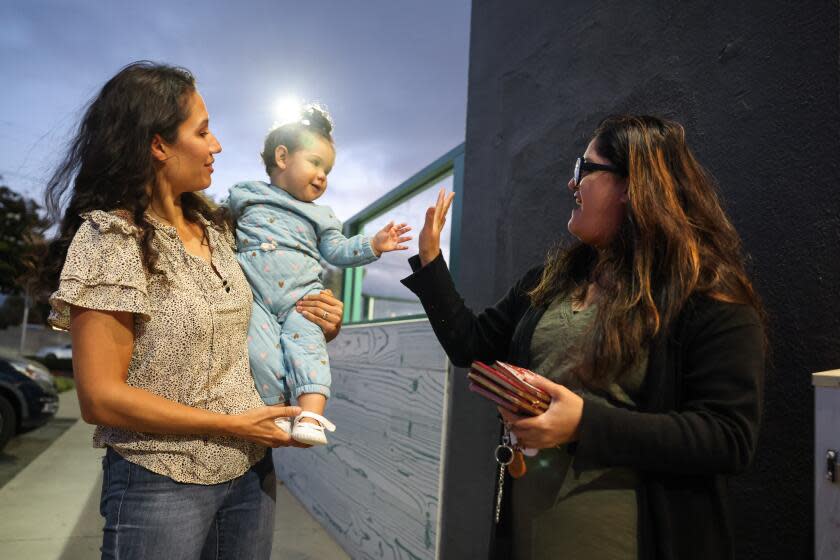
x: 103, y: 342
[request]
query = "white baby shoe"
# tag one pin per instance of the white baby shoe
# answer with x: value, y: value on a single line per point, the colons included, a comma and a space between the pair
x: 311, y: 434
x: 284, y: 424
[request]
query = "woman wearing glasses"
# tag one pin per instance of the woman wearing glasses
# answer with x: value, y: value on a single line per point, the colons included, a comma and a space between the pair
x: 649, y: 338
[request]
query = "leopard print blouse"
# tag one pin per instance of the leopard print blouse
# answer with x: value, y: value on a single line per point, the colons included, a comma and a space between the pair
x: 190, y: 331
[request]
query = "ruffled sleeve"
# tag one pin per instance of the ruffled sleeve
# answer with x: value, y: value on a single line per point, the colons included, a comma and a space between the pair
x: 103, y: 270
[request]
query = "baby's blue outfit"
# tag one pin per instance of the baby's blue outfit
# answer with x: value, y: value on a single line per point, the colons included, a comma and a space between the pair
x: 280, y: 241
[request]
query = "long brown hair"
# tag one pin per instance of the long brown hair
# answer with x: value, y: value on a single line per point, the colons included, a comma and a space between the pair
x: 675, y: 241
x: 109, y: 163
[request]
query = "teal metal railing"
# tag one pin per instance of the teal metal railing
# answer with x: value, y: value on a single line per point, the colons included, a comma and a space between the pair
x: 449, y: 164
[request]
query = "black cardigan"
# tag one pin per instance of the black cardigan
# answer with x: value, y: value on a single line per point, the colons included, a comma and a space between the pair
x: 697, y: 420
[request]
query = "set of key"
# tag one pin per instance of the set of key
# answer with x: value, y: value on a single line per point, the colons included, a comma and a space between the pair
x: 509, y: 457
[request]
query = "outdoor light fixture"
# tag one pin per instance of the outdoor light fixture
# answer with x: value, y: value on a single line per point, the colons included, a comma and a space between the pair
x: 287, y: 109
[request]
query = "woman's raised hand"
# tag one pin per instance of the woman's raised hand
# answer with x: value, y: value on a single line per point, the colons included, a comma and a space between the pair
x: 558, y: 425
x: 258, y: 425
x: 430, y: 234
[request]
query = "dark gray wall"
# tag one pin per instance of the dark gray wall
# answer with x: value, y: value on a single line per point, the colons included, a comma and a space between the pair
x: 756, y: 85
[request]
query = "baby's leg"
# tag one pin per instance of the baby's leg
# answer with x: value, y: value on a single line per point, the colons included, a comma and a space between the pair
x: 305, y: 356
x: 312, y: 402
x: 266, y: 355
x: 307, y: 363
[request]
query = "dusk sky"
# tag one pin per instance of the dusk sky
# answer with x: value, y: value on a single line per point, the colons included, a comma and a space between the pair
x: 393, y: 74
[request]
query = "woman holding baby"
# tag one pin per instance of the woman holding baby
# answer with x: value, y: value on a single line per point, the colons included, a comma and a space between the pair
x: 146, y: 280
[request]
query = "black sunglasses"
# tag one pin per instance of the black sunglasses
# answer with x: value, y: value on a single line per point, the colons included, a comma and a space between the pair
x: 583, y: 166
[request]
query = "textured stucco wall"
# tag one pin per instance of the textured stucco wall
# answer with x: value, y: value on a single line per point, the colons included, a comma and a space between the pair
x: 756, y: 85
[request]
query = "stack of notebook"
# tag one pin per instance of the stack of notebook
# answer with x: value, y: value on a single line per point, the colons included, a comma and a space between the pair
x: 505, y: 385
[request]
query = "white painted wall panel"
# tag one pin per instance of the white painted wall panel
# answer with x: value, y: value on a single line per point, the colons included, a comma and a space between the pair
x: 826, y: 493
x: 376, y: 486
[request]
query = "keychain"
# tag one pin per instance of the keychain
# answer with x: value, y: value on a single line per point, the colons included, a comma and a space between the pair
x: 509, y: 454
x: 504, y: 456
x: 517, y: 467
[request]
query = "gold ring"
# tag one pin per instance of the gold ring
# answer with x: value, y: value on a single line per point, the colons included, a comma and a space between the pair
x: 326, y: 315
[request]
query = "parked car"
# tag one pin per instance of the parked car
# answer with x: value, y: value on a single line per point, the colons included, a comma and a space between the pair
x: 28, y: 397
x: 59, y: 352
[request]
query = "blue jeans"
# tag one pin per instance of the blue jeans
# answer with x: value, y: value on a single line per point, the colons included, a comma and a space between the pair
x: 148, y: 515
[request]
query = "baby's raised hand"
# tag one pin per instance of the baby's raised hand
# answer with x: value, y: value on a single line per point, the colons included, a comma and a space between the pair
x: 390, y: 238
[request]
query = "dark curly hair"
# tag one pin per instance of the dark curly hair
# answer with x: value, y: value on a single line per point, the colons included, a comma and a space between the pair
x: 108, y: 165
x: 313, y: 119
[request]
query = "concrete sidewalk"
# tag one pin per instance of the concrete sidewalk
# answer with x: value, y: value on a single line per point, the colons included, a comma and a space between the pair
x: 50, y: 510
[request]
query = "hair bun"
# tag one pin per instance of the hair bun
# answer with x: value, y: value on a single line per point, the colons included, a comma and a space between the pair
x: 312, y: 118
x: 315, y: 117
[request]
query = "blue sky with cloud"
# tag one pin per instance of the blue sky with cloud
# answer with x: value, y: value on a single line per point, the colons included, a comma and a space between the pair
x: 392, y: 73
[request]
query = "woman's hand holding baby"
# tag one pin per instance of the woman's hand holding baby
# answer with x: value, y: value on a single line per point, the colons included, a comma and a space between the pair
x: 257, y: 425
x: 324, y: 310
x: 390, y: 238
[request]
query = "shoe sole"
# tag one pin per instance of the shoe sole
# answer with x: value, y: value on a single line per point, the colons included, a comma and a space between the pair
x: 317, y: 438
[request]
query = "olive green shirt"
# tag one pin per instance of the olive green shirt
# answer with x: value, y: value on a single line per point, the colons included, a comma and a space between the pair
x: 557, y: 512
